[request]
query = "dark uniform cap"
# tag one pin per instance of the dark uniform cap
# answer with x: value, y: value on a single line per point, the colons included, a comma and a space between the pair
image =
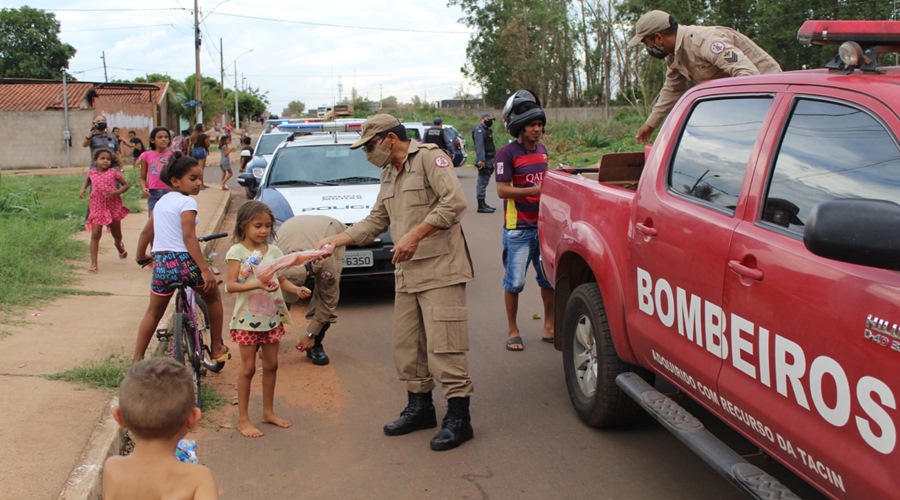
x: 486, y: 115
x: 649, y: 24
x: 373, y: 125
x: 438, y: 120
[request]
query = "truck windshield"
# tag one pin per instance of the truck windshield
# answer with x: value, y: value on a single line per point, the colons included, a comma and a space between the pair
x: 332, y: 164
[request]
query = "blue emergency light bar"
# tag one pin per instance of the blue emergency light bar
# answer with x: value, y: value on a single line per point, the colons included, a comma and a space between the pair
x: 354, y: 126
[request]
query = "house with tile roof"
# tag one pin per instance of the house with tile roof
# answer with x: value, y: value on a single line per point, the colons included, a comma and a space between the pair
x: 36, y: 116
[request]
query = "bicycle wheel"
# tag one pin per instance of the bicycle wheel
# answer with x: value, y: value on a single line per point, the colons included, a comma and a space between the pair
x: 184, y: 350
x: 201, y: 316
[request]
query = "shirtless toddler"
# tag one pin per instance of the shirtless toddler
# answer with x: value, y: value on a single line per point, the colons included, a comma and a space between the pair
x: 156, y: 405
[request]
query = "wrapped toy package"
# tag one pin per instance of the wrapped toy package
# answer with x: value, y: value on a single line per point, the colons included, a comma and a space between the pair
x: 265, y: 272
x: 186, y: 451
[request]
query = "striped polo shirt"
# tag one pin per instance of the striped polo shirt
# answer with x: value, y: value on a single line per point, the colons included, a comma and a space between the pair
x: 521, y: 168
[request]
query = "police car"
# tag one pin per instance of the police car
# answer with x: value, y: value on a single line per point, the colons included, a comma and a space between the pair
x: 262, y: 154
x: 416, y: 130
x: 314, y: 172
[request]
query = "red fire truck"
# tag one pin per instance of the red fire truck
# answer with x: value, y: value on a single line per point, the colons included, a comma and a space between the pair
x: 751, y: 258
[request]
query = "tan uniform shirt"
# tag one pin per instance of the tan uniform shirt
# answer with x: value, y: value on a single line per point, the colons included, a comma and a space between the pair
x: 425, y: 189
x: 705, y: 53
x: 302, y: 232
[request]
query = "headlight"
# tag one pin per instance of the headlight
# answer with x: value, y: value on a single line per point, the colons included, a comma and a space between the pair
x: 258, y: 172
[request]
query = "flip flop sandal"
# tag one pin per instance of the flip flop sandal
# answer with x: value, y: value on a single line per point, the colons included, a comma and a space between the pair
x: 515, y: 341
x: 123, y: 254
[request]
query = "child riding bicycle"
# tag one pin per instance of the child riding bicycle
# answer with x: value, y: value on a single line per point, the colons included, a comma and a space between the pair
x: 177, y: 256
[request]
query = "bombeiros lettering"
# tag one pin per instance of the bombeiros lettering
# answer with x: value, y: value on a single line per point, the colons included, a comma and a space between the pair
x: 774, y: 361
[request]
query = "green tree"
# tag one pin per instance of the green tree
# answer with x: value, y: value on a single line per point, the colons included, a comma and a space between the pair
x: 30, y: 46
x: 389, y: 102
x: 296, y: 108
x: 176, y: 95
x: 522, y: 43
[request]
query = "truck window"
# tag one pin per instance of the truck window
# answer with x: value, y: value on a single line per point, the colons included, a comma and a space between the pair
x: 829, y: 150
x: 715, y: 147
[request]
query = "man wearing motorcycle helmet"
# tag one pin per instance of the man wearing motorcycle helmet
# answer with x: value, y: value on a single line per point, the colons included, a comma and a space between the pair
x: 520, y: 169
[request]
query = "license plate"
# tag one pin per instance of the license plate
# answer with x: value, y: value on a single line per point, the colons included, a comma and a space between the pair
x: 358, y: 258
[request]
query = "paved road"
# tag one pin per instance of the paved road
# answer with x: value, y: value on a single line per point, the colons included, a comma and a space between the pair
x: 529, y: 444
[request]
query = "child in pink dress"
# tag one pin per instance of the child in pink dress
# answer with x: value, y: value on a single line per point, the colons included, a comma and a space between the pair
x: 106, y: 209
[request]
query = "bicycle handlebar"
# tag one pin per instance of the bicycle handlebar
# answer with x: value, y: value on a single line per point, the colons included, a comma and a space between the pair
x: 212, y: 236
x: 208, y: 237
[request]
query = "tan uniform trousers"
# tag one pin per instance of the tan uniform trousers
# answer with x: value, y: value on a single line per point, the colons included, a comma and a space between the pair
x: 431, y: 339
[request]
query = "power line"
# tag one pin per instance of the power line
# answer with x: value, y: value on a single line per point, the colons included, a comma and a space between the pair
x: 120, y: 28
x: 328, y: 25
x: 260, y: 18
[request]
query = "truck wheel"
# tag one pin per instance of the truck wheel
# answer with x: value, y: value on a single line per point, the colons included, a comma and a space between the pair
x: 591, y: 363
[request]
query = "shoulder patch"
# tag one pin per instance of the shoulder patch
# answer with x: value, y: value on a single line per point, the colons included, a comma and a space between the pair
x: 717, y: 47
x: 441, y: 162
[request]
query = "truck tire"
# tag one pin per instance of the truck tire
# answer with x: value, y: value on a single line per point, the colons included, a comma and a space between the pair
x: 591, y: 364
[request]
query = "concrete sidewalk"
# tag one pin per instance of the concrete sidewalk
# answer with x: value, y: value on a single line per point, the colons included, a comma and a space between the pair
x: 55, y: 435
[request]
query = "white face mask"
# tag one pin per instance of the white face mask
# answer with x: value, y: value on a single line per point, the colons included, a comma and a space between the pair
x: 380, y: 156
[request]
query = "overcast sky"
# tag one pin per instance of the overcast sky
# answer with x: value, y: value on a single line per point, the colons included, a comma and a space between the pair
x: 301, y: 49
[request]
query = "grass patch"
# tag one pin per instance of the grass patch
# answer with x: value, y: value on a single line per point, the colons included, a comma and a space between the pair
x: 571, y: 144
x: 210, y: 398
x: 38, y: 216
x: 106, y: 373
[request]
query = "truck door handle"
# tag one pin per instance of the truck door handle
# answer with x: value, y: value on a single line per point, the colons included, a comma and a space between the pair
x: 744, y: 271
x: 645, y: 229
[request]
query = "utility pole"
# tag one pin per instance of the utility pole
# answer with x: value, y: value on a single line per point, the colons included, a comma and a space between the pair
x: 237, y: 112
x: 105, y: 77
x: 222, y: 81
x: 198, y: 114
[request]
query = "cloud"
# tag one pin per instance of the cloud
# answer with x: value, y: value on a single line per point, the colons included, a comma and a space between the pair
x: 301, y: 50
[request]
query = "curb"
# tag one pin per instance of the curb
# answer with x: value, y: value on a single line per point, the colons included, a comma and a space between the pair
x: 108, y: 438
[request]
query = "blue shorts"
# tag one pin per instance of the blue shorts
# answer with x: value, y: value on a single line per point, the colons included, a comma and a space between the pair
x: 154, y: 196
x: 174, y: 267
x: 521, y: 247
x: 198, y: 153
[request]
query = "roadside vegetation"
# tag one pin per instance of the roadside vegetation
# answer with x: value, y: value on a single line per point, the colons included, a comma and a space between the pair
x: 571, y: 144
x: 107, y: 374
x: 38, y: 216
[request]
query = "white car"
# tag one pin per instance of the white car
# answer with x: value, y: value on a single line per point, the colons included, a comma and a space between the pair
x: 416, y: 130
x: 320, y: 174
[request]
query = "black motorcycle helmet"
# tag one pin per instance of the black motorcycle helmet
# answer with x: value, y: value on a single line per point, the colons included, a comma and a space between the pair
x: 522, y: 108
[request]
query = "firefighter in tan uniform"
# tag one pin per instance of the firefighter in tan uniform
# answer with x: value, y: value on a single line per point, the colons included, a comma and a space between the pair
x: 697, y: 53
x: 303, y: 232
x: 423, y: 202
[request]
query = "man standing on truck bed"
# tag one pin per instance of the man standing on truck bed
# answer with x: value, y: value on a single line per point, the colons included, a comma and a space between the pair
x: 520, y: 171
x: 697, y: 53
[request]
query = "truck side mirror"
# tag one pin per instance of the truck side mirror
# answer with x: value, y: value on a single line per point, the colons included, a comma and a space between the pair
x: 858, y: 231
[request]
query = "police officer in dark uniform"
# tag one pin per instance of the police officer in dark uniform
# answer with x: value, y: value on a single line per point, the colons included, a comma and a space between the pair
x: 436, y: 134
x: 484, y: 159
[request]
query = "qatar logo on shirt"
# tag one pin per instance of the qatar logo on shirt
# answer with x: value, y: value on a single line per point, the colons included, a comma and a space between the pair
x: 500, y: 167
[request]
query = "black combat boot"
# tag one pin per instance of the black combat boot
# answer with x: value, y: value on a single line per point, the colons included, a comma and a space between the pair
x: 316, y: 353
x: 456, y: 427
x: 484, y: 208
x: 418, y: 414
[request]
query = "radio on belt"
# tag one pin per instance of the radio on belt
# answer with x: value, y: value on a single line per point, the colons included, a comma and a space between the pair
x: 860, y: 41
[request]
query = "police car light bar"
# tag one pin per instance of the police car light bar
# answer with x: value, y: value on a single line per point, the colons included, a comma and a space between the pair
x: 354, y: 126
x: 860, y: 41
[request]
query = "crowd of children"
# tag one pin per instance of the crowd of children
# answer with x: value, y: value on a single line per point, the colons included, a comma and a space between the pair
x: 156, y: 399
